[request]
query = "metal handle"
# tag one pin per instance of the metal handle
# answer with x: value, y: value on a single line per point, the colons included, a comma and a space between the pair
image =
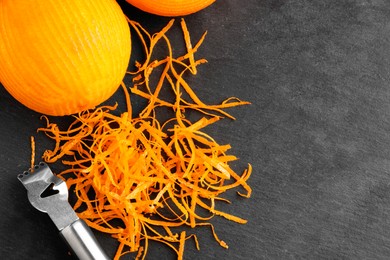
x: 82, y: 241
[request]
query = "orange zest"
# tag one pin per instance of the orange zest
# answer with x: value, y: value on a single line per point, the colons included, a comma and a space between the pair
x: 32, y: 160
x: 140, y: 178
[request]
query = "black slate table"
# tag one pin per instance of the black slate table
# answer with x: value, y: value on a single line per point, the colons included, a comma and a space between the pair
x: 317, y: 133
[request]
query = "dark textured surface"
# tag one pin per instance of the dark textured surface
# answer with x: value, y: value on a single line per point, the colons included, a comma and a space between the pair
x: 317, y: 133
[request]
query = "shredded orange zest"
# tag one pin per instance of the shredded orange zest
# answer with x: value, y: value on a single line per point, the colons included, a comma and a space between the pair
x: 139, y: 179
x: 32, y: 160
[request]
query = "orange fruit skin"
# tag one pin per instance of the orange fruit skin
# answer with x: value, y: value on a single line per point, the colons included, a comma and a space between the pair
x: 62, y: 57
x: 171, y: 7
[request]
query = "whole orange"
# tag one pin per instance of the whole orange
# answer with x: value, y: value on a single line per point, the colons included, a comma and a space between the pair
x: 62, y: 57
x: 171, y: 7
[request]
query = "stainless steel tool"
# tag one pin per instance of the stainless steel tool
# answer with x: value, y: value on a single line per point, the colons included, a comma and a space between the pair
x: 49, y: 194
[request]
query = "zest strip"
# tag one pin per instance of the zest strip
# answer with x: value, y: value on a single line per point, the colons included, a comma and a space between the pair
x: 139, y: 179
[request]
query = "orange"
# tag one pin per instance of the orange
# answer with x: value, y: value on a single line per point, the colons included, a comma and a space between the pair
x: 62, y: 57
x: 171, y: 7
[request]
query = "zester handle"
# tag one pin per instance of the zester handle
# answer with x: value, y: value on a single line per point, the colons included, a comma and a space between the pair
x: 83, y: 242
